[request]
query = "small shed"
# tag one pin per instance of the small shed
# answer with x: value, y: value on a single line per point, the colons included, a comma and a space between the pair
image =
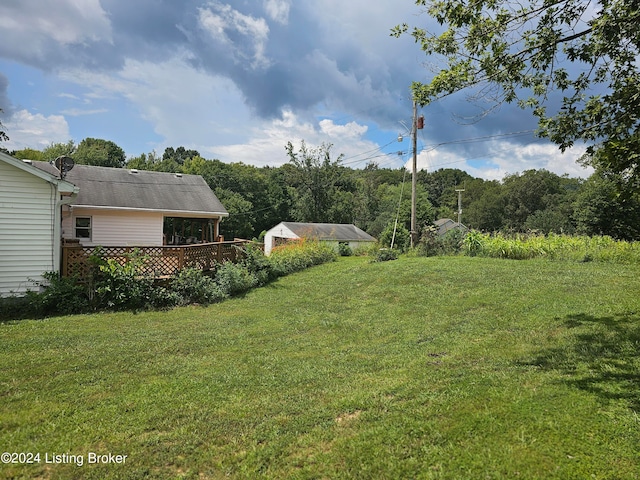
x: 446, y: 224
x: 333, y: 233
x: 30, y: 219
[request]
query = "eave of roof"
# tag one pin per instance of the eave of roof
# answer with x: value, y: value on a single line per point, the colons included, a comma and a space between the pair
x: 63, y: 186
x: 191, y: 213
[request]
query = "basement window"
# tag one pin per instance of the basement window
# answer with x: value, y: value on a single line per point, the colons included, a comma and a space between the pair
x: 83, y: 227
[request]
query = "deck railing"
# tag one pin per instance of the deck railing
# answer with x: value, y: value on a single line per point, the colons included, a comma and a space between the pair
x: 161, y: 261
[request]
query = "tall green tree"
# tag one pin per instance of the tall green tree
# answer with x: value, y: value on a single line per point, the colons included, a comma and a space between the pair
x: 179, y: 155
x: 600, y: 208
x: 528, y: 193
x: 56, y: 150
x: 99, y: 152
x: 314, y: 179
x: 524, y: 51
x: 28, y: 154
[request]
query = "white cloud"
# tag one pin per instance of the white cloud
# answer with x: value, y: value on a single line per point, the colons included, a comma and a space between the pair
x: 29, y: 28
x: 350, y: 130
x: 28, y: 130
x: 499, y: 158
x: 278, y: 10
x: 255, y: 31
x: 266, y: 143
x: 191, y: 108
x: 77, y: 112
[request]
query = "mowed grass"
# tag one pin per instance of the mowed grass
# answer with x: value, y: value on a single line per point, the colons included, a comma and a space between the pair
x: 450, y: 367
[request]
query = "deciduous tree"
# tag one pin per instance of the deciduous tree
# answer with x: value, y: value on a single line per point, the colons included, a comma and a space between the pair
x: 99, y: 152
x: 525, y: 51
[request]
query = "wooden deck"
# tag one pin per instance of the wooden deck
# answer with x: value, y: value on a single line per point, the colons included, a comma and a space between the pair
x: 161, y: 261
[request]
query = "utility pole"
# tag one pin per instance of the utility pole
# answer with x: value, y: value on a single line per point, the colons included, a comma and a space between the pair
x: 417, y: 124
x: 414, y: 134
x: 460, y: 204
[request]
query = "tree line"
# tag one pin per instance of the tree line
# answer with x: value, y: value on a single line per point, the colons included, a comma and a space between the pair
x: 314, y: 186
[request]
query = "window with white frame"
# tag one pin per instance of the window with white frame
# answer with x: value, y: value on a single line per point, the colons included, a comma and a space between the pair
x: 83, y: 227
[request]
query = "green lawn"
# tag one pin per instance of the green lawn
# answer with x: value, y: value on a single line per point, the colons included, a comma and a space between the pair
x: 452, y: 367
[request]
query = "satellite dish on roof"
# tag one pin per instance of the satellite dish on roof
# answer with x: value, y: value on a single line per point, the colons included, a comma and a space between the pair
x: 64, y: 164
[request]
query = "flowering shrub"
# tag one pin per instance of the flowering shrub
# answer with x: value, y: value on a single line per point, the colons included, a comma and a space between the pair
x: 298, y: 255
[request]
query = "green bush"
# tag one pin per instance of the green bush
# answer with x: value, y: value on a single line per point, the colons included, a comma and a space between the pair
x: 61, y: 296
x: 258, y: 264
x: 193, y: 286
x: 15, y: 307
x: 344, y: 250
x: 123, y: 285
x: 453, y: 241
x: 234, y: 278
x: 430, y: 243
x: 385, y: 254
x: 401, y: 240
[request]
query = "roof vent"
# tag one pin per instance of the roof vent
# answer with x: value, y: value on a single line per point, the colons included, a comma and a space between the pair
x: 25, y: 160
x: 178, y: 175
x: 133, y: 170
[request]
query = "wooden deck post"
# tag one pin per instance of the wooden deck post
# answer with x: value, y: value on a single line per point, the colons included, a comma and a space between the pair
x: 180, y: 258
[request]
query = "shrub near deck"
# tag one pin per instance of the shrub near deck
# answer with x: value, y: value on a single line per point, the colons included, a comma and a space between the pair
x: 418, y: 368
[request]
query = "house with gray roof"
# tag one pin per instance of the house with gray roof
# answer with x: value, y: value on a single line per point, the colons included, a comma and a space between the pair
x: 446, y: 224
x: 116, y: 206
x: 332, y: 233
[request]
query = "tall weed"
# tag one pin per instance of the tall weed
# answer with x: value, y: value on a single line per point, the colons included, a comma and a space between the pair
x: 299, y: 255
x: 552, y: 246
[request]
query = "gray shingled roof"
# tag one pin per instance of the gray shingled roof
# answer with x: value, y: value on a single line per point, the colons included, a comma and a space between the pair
x: 446, y: 224
x: 143, y: 190
x: 329, y: 231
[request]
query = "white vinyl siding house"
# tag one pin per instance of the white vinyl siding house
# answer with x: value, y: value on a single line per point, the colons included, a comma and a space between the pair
x: 113, y: 227
x: 30, y: 203
x: 331, y: 233
x: 120, y: 207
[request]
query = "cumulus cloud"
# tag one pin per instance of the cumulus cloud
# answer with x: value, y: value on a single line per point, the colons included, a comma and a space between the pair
x: 278, y: 10
x: 497, y: 158
x: 37, y: 35
x: 27, y: 130
x: 350, y: 130
x: 244, y: 35
x: 268, y: 140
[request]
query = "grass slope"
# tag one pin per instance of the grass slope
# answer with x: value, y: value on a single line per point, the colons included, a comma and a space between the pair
x: 418, y: 368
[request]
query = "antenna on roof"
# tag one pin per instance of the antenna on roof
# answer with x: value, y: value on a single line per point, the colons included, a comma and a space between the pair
x: 63, y: 164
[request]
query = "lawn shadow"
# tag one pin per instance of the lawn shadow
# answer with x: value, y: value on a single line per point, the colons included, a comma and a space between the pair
x: 602, y: 356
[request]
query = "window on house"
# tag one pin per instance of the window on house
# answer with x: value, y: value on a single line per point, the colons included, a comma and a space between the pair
x: 83, y: 227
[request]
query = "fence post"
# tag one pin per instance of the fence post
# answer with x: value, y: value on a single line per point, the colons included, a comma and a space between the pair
x: 180, y: 258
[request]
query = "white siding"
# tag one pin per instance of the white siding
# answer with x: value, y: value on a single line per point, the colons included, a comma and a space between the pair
x: 279, y: 231
x: 27, y: 212
x: 117, y: 227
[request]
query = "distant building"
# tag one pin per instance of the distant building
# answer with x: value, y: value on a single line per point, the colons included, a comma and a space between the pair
x: 333, y: 233
x: 445, y: 224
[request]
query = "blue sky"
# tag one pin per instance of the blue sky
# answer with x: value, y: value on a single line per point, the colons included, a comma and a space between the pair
x: 237, y: 80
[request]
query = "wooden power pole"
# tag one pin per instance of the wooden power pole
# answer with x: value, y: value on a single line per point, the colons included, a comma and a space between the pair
x: 417, y: 124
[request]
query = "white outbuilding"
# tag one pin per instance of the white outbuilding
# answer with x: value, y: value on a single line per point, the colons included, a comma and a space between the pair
x: 333, y: 233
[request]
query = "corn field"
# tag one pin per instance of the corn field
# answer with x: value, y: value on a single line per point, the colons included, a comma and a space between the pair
x: 552, y: 246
